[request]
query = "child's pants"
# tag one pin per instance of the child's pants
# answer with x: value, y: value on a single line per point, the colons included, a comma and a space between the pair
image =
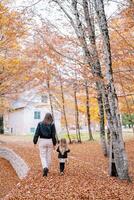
x: 62, y: 166
x: 45, y: 147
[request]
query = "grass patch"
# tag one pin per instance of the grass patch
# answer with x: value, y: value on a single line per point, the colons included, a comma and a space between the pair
x: 84, y: 136
x: 127, y: 135
x: 96, y: 136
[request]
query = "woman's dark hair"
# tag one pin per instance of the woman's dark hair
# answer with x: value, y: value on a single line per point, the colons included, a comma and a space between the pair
x: 48, y: 119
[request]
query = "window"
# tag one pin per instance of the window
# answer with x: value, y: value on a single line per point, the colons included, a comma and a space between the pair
x: 36, y: 115
x: 44, y: 98
x: 32, y: 130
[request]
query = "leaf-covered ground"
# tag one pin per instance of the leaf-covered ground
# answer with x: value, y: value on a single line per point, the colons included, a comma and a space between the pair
x: 85, y: 178
x: 8, y: 177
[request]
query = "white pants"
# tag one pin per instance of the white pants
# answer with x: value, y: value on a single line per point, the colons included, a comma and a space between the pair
x: 45, y: 147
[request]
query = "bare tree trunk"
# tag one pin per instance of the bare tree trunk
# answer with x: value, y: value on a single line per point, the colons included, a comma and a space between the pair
x: 78, y: 134
x: 91, y: 56
x: 64, y: 111
x: 117, y: 145
x: 96, y: 70
x: 108, y: 141
x: 102, y: 123
x: 51, y: 104
x: 1, y: 124
x: 88, y: 112
x: 108, y: 91
x: 50, y: 98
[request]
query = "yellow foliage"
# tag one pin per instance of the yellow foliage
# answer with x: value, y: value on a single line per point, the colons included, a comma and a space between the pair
x: 122, y: 43
x: 12, y: 30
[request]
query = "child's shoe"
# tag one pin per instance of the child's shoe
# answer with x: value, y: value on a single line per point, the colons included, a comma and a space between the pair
x: 45, y: 171
x: 61, y: 173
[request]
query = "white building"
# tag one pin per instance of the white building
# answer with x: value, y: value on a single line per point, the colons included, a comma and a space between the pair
x: 25, y: 114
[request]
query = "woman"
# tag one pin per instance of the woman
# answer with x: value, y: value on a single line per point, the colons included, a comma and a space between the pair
x: 47, y: 133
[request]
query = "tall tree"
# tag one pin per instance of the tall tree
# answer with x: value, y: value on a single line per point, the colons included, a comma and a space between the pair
x: 78, y: 134
x: 107, y: 90
x: 102, y: 124
x: 64, y: 111
x: 88, y: 111
x: 117, y: 148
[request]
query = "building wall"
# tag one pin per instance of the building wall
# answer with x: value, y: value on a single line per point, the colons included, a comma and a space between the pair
x: 16, y: 121
x: 22, y: 121
x: 30, y: 122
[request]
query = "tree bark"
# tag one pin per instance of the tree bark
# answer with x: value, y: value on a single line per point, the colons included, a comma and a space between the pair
x: 117, y: 145
x: 64, y: 111
x: 50, y: 98
x: 51, y: 105
x: 78, y: 134
x: 108, y: 90
x: 108, y: 141
x: 102, y: 123
x: 92, y: 58
x: 88, y: 112
x: 1, y: 124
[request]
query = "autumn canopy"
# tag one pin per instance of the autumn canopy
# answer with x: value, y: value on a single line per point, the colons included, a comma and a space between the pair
x: 80, y: 53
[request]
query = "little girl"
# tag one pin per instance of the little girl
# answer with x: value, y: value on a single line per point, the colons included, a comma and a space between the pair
x: 62, y: 154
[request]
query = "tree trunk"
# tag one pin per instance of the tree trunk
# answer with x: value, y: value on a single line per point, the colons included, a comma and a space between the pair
x: 96, y: 70
x: 78, y: 134
x: 108, y: 91
x: 117, y: 145
x: 50, y: 98
x: 64, y: 111
x: 88, y: 112
x: 51, y: 105
x: 102, y: 123
x: 1, y: 124
x: 108, y: 141
x: 92, y: 60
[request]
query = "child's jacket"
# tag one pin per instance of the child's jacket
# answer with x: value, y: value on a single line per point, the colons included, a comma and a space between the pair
x: 62, y: 155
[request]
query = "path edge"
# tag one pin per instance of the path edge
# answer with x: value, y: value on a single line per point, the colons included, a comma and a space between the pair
x: 19, y: 165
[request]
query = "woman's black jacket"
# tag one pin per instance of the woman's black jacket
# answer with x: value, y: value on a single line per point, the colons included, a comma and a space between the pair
x: 46, y: 131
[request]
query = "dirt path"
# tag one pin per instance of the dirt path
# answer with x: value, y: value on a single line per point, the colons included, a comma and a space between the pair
x: 85, y: 178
